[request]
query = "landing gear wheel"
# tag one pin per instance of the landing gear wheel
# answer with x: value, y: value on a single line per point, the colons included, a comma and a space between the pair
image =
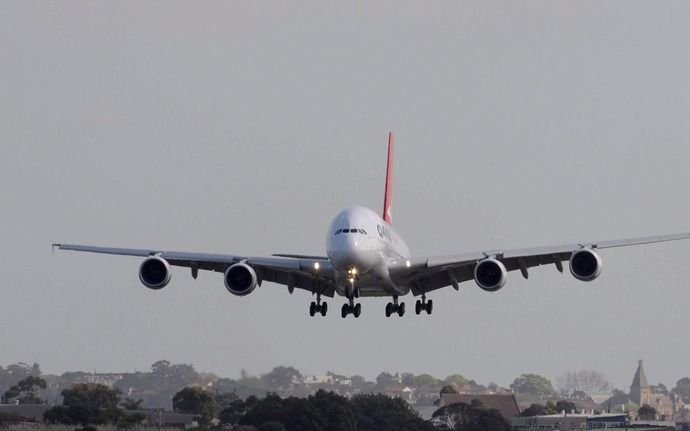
x: 389, y: 309
x: 324, y: 309
x: 357, y: 310
x: 418, y: 307
x: 312, y: 309
x: 429, y: 306
x: 401, y: 309
x: 345, y: 310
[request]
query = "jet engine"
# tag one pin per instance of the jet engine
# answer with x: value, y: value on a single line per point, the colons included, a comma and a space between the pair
x: 240, y: 279
x: 490, y: 274
x: 585, y: 264
x: 154, y: 272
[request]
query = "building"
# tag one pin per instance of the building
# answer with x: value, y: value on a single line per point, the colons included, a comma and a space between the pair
x: 642, y: 393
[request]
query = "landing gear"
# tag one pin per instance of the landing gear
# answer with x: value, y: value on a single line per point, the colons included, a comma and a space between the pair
x: 423, y: 305
x: 351, y: 307
x: 318, y: 307
x: 394, y: 307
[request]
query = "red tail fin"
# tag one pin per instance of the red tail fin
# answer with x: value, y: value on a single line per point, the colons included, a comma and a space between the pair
x: 389, y: 182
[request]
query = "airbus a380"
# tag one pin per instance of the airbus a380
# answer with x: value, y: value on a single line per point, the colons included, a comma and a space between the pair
x: 365, y: 257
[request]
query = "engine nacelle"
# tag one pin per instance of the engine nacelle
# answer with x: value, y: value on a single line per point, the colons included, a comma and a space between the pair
x: 154, y: 272
x: 490, y: 274
x: 585, y: 264
x: 240, y: 279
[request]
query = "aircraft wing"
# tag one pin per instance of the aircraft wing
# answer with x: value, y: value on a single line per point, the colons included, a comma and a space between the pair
x: 293, y: 272
x: 427, y: 274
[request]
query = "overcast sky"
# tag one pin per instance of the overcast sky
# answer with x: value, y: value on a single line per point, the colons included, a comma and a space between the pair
x: 244, y: 127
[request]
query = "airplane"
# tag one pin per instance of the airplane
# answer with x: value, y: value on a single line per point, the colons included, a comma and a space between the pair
x: 366, y: 257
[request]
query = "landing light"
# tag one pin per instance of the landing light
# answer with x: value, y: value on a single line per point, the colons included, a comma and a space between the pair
x: 316, y: 266
x: 408, y: 263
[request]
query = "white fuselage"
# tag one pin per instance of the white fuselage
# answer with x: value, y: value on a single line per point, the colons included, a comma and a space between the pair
x: 361, y: 246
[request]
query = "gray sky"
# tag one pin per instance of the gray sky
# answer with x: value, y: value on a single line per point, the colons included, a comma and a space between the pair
x: 243, y: 127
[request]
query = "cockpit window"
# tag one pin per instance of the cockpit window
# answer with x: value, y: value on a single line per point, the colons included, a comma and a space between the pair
x: 350, y: 230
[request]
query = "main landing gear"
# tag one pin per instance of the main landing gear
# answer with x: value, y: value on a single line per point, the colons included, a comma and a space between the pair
x: 424, y: 305
x: 351, y: 308
x: 394, y: 307
x: 318, y: 307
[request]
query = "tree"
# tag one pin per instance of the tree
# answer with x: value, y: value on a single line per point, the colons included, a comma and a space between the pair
x: 425, y: 379
x: 469, y: 417
x: 293, y: 413
x: 456, y: 379
x: 232, y: 414
x: 683, y: 389
x: 25, y: 391
x: 565, y: 406
x: 533, y: 410
x: 584, y: 380
x: 197, y: 401
x: 384, y: 379
x: 86, y: 404
x: 532, y: 384
x: 335, y: 411
x: 647, y: 412
x: 281, y: 378
x: 131, y: 404
x: 448, y: 389
x: 381, y: 413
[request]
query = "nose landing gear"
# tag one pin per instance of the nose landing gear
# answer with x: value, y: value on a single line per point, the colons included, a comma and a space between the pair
x: 318, y: 307
x: 394, y: 307
x: 424, y: 305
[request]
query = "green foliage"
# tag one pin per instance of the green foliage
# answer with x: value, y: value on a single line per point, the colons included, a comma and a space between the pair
x: 565, y: 406
x: 197, y: 401
x: 335, y: 411
x: 281, y: 378
x: 293, y: 413
x: 328, y: 411
x: 456, y: 379
x: 425, y: 379
x: 92, y: 396
x: 25, y: 391
x: 89, y: 404
x: 683, y: 389
x: 647, y: 412
x: 448, y: 390
x: 533, y: 410
x: 532, y: 384
x: 232, y: 414
x: 225, y: 399
x: 379, y: 412
x: 469, y: 417
x: 131, y: 404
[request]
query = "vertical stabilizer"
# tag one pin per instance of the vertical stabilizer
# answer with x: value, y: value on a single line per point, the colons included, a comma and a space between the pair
x: 389, y: 182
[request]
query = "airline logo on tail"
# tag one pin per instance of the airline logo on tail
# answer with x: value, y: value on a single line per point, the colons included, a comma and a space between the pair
x: 389, y: 182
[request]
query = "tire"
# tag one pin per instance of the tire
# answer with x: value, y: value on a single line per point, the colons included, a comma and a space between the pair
x: 345, y: 310
x: 357, y: 311
x: 389, y: 309
x: 429, y: 306
x: 324, y: 309
x: 401, y: 309
x: 418, y: 307
x: 312, y: 309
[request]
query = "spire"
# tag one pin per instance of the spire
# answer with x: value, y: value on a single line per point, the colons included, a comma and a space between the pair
x: 640, y: 380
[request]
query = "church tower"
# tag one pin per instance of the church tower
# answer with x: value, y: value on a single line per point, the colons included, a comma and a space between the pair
x: 640, y: 392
